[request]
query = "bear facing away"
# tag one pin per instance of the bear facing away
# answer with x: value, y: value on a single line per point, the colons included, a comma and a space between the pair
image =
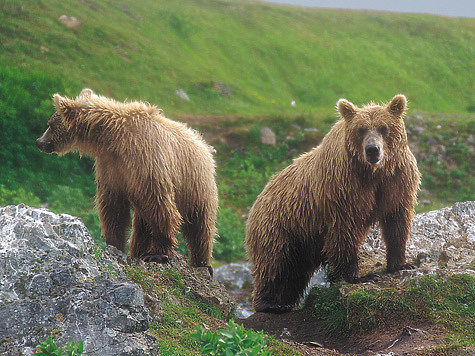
x: 319, y: 209
x: 161, y: 169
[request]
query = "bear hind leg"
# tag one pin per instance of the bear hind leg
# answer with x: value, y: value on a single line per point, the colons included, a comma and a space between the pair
x: 280, y: 283
x: 149, y: 244
x: 279, y: 295
x: 199, y: 233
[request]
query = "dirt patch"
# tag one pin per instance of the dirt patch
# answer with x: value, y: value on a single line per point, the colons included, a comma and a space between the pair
x: 301, y: 330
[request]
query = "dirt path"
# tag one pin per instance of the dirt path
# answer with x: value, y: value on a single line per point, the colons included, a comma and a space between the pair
x: 301, y: 330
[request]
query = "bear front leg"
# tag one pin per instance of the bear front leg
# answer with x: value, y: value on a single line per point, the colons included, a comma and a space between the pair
x: 395, y: 228
x: 114, y: 215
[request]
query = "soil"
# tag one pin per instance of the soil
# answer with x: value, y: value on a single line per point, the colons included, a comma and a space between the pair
x: 300, y: 329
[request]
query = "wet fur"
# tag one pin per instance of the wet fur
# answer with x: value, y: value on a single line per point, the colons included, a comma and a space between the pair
x: 159, y: 168
x: 319, y: 209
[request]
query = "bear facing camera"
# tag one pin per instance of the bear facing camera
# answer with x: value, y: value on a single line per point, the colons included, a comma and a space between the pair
x: 159, y: 168
x: 319, y: 209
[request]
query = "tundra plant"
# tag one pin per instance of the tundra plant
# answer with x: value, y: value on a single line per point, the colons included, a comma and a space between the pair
x: 232, y: 342
x: 49, y: 348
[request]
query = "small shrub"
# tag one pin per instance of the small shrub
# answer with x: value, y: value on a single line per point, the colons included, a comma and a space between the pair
x: 234, y: 341
x: 49, y: 348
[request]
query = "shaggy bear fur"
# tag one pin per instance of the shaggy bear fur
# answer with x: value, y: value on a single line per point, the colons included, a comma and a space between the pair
x: 319, y: 209
x: 161, y: 169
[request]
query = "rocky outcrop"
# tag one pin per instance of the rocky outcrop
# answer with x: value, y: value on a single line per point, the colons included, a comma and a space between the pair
x: 54, y: 280
x: 440, y: 241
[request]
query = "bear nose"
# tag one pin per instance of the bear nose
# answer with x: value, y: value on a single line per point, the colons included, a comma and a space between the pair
x: 372, y: 151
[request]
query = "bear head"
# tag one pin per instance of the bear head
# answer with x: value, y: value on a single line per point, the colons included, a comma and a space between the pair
x: 374, y: 133
x: 57, y: 137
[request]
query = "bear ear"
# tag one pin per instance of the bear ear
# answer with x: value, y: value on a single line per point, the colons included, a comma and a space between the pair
x: 346, y: 109
x: 59, y: 102
x: 398, y: 105
x: 86, y: 93
x: 66, y: 108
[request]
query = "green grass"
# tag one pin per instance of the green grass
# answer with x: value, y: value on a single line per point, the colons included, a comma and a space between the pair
x: 267, y: 55
x: 180, y: 313
x: 447, y: 303
x: 448, y: 160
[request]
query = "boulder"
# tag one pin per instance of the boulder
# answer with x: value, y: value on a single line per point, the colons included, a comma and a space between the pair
x: 268, y: 136
x: 55, y: 280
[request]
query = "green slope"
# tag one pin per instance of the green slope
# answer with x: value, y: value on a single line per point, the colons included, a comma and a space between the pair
x: 267, y: 55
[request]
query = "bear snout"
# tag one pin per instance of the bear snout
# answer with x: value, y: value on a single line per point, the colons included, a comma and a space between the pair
x: 44, y: 146
x: 373, y: 153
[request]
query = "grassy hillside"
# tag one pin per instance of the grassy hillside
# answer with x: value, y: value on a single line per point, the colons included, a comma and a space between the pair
x: 266, y: 55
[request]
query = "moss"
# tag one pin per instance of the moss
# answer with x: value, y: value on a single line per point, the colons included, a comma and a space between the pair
x: 443, y: 302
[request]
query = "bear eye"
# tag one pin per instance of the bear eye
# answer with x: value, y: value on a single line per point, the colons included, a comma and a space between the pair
x: 362, y: 131
x: 383, y: 130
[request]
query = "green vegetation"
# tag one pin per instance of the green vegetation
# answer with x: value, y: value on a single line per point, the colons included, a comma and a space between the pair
x: 49, y: 348
x: 266, y: 55
x: 235, y: 341
x: 445, y: 302
x: 181, y: 313
x: 447, y: 161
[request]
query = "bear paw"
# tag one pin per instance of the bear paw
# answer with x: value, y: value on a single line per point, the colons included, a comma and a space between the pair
x: 407, y: 266
x: 274, y: 308
x: 370, y: 278
x: 155, y: 258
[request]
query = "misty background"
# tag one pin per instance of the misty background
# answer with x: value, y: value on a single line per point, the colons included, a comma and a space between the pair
x: 454, y: 8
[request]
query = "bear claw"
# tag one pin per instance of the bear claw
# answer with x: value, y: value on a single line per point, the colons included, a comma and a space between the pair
x: 407, y: 266
x: 370, y: 278
x: 204, y: 264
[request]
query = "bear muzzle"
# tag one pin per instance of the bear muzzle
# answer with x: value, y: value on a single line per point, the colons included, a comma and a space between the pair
x: 43, y: 146
x: 373, y: 153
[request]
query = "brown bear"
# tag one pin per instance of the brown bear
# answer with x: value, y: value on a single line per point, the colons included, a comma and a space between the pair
x: 160, y: 168
x: 319, y: 209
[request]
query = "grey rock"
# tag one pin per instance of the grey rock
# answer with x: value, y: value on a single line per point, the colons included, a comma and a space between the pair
x: 54, y: 277
x: 268, y: 136
x: 440, y: 240
x: 237, y: 279
x: 182, y: 95
x: 201, y: 287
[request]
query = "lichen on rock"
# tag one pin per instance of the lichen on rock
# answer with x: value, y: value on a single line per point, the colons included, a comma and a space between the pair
x: 52, y: 280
